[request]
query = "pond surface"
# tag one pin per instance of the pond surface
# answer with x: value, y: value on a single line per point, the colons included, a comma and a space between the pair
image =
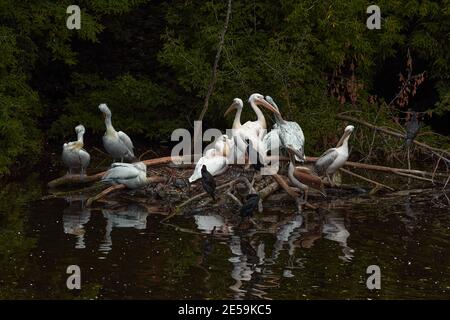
x: 126, y: 252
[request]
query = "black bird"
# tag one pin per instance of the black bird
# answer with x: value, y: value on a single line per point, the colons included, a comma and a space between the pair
x: 250, y: 205
x: 208, y: 182
x: 251, y: 154
x: 412, y: 128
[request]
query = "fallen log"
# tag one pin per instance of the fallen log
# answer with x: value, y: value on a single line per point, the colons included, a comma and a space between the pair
x: 386, y: 169
x: 392, y: 133
x: 78, y: 179
x: 376, y: 183
x: 104, y: 193
x: 283, y: 184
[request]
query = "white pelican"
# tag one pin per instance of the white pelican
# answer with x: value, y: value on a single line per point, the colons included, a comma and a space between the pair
x: 73, y: 155
x: 132, y: 175
x: 259, y: 125
x: 333, y: 159
x: 251, y: 130
x: 117, y: 143
x: 290, y: 134
x: 216, y: 160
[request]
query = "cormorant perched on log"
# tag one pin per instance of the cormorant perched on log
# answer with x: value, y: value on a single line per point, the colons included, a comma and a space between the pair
x: 208, y: 182
x: 250, y: 205
x: 412, y: 128
x: 251, y: 151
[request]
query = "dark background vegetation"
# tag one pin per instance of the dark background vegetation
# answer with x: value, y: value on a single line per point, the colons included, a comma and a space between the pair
x: 150, y: 61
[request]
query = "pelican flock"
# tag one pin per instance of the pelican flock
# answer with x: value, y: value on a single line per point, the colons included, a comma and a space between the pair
x: 248, y: 138
x: 250, y: 130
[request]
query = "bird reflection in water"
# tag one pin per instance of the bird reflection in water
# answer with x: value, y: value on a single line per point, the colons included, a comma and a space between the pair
x: 75, y: 217
x: 131, y: 216
x: 255, y: 268
x: 247, y: 267
x: 245, y: 259
x: 335, y: 230
x: 288, y: 233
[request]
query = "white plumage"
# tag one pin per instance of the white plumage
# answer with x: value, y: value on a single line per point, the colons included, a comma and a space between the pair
x: 132, y: 175
x: 217, y: 159
x: 333, y: 159
x: 253, y: 131
x: 73, y: 155
x: 117, y: 143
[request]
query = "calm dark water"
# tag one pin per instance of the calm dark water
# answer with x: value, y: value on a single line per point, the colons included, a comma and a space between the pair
x: 126, y: 252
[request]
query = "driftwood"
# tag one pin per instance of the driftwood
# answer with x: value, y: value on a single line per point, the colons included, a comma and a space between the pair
x: 415, y: 174
x: 376, y: 183
x: 77, y: 179
x: 104, y: 193
x: 290, y: 191
x: 393, y: 133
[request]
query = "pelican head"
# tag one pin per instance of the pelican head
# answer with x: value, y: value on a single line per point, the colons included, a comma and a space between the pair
x: 105, y: 110
x: 236, y: 105
x: 258, y: 99
x: 347, y: 132
x: 272, y: 102
x: 349, y: 129
x: 80, y: 129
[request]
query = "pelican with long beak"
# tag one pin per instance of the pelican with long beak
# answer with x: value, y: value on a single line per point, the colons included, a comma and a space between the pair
x: 73, y: 155
x: 237, y: 105
x: 117, y: 143
x: 251, y: 130
x: 333, y: 159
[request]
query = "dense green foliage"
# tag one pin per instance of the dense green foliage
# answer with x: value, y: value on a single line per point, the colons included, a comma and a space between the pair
x: 317, y: 58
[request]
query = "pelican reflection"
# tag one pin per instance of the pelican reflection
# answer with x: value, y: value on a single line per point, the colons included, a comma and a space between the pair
x: 131, y: 216
x: 75, y: 217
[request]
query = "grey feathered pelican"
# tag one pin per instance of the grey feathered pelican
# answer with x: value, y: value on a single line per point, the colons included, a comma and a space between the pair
x: 289, y: 132
x: 293, y: 179
x: 132, y: 175
x: 333, y: 159
x: 73, y: 155
x: 117, y: 143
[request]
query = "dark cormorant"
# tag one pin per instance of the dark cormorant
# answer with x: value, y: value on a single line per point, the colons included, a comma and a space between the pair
x: 250, y: 205
x: 412, y: 128
x: 256, y: 164
x: 208, y: 182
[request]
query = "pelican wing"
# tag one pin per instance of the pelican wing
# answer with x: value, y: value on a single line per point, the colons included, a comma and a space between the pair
x: 291, y: 134
x: 85, y: 158
x: 198, y: 167
x: 267, y: 140
x: 325, y: 160
x: 120, y: 172
x: 126, y: 141
x: 215, y: 165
